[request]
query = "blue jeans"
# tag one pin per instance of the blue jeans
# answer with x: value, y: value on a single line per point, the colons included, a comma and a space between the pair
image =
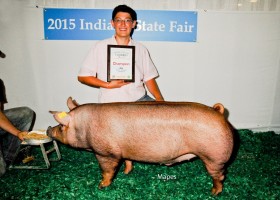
x: 146, y: 98
x: 22, y: 118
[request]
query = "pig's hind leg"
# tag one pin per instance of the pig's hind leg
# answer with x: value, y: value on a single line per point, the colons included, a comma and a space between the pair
x: 108, y: 166
x: 216, y: 171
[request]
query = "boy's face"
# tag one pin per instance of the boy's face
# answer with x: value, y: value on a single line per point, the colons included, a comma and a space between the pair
x: 123, y: 24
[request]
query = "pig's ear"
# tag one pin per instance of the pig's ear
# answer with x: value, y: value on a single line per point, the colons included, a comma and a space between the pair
x: 71, y: 103
x: 61, y: 117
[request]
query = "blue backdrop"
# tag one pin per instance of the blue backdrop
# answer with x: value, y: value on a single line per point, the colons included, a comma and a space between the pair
x: 94, y: 24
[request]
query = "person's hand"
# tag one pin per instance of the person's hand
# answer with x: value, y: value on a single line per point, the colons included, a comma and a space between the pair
x: 22, y: 134
x: 116, y: 84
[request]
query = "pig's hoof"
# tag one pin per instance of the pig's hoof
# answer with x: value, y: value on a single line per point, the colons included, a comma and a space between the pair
x: 103, y: 184
x: 217, y: 186
x: 127, y: 171
x: 100, y: 186
x: 216, y: 191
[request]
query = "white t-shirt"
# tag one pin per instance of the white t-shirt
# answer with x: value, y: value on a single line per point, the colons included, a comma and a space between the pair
x: 95, y: 64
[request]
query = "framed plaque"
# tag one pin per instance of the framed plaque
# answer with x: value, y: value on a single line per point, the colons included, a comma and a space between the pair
x: 121, y: 63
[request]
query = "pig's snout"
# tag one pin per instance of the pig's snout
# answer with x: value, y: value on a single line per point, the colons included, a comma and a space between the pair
x: 49, y: 131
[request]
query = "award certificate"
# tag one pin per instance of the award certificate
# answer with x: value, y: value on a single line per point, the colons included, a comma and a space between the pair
x: 121, y: 63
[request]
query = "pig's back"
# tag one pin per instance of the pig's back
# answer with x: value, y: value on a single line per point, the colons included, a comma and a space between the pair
x: 156, y: 117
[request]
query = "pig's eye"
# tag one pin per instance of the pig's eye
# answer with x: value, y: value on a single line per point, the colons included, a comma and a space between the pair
x: 60, y: 127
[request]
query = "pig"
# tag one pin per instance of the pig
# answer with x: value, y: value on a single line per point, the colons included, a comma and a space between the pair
x: 152, y: 132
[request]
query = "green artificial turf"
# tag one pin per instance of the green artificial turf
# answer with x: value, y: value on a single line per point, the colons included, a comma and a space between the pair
x: 254, y: 174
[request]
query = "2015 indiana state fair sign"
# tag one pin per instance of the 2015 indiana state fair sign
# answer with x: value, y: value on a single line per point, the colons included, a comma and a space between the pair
x: 95, y: 24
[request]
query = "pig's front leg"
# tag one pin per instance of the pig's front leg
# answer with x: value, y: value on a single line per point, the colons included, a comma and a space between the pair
x: 108, y: 166
x: 128, y: 166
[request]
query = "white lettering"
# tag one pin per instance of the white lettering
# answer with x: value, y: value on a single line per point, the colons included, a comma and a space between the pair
x: 143, y: 26
x: 100, y: 25
x: 166, y: 177
x: 61, y: 24
x: 174, y: 26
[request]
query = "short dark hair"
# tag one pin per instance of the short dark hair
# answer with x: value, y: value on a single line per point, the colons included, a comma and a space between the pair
x: 124, y: 8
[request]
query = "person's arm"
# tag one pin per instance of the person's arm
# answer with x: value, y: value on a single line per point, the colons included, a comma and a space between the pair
x: 95, y: 82
x: 154, y: 89
x: 9, y: 127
